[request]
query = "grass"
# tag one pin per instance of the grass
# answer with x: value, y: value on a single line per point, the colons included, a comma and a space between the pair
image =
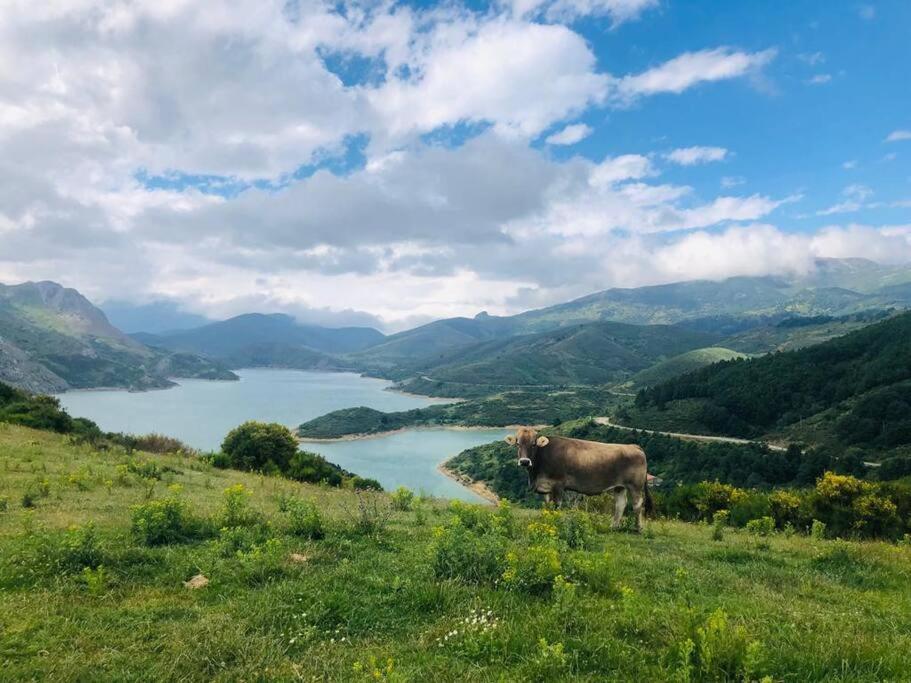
x: 364, y: 602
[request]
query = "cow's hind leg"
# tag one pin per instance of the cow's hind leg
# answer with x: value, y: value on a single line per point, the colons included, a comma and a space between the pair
x: 619, y: 506
x: 638, y: 507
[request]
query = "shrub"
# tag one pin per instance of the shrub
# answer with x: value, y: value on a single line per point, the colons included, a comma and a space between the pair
x: 764, y: 526
x: 80, y: 548
x: 4, y: 503
x: 818, y: 530
x: 575, y: 529
x: 402, y: 499
x: 784, y: 507
x: 167, y: 520
x: 460, y: 553
x: 370, y: 516
x: 533, y: 569
x: 314, y: 469
x: 840, y: 488
x: 597, y: 573
x: 304, y: 519
x: 713, y: 496
x: 365, y: 484
x: 159, y: 443
x: 472, y: 517
x: 236, y: 507
x: 876, y: 516
x: 96, y: 580
x: 233, y: 541
x: 260, y: 446
x: 218, y: 459
x: 716, y: 651
x: 719, y: 521
x: 751, y: 505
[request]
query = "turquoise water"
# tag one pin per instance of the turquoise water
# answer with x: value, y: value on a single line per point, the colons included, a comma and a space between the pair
x: 201, y: 412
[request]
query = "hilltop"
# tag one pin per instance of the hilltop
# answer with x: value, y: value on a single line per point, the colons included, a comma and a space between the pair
x: 52, y: 339
x: 302, y: 582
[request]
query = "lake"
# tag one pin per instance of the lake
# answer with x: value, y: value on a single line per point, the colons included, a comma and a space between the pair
x: 201, y: 412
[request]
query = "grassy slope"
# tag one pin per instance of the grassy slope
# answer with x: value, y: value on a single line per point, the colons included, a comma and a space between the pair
x: 820, y: 610
x: 678, y: 365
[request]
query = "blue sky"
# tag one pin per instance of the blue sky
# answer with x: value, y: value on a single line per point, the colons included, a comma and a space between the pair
x: 389, y: 163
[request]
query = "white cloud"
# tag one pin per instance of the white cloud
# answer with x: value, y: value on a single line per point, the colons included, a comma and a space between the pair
x: 849, y: 165
x: 569, y: 135
x: 898, y: 135
x: 524, y: 77
x: 812, y: 58
x: 819, y: 79
x: 692, y: 68
x: 618, y: 11
x: 855, y: 199
x: 690, y: 156
x: 728, y: 182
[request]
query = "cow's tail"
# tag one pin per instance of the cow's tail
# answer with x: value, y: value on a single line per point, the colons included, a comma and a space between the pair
x: 649, y: 501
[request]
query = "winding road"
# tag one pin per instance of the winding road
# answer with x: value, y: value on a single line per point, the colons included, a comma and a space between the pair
x: 689, y: 437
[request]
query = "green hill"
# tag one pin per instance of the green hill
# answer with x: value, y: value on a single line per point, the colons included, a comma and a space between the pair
x: 679, y: 365
x: 595, y: 353
x: 268, y: 579
x: 853, y: 388
x: 52, y: 339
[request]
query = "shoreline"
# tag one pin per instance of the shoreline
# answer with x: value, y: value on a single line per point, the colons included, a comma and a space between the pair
x: 416, y: 428
x: 477, y: 487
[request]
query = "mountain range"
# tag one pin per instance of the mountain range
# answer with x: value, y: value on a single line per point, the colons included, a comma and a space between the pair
x: 52, y: 338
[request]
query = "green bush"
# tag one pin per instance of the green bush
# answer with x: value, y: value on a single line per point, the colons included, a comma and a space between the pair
x: 818, y: 530
x: 259, y: 446
x: 236, y: 509
x: 473, y: 517
x: 764, y: 526
x: 717, y: 651
x: 304, y: 519
x: 80, y: 548
x: 533, y: 568
x: 314, y: 469
x: 402, y: 499
x: 719, y: 521
x: 365, y: 484
x: 575, y: 529
x: 164, y: 521
x: 464, y: 554
x: 597, y: 573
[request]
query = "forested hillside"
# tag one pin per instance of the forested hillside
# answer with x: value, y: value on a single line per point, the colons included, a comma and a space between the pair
x: 854, y: 388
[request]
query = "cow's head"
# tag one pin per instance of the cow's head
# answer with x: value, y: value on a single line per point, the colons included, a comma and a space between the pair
x: 528, y: 443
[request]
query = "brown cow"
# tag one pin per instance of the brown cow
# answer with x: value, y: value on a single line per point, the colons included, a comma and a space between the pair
x: 556, y: 464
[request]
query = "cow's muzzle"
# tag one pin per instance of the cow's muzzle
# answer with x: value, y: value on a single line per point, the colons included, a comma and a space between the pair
x: 524, y: 462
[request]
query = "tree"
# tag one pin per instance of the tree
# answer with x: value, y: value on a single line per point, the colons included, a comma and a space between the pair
x: 260, y: 446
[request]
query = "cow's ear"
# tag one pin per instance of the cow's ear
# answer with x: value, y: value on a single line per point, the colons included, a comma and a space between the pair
x: 511, y: 440
x: 542, y: 441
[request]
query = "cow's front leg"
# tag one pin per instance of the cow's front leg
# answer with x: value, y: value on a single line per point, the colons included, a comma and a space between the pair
x: 619, y: 507
x: 556, y: 496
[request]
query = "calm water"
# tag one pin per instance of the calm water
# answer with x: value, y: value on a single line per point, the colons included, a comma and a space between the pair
x: 201, y: 412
